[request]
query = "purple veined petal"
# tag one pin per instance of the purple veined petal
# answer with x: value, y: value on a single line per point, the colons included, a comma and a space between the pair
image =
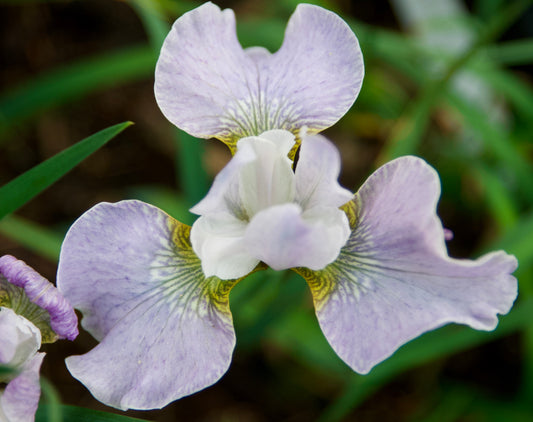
x: 165, y: 330
x: 394, y: 280
x: 283, y: 237
x: 317, y: 172
x: 19, y: 401
x: 316, y: 75
x: 207, y: 85
x: 42, y: 293
x: 203, y: 74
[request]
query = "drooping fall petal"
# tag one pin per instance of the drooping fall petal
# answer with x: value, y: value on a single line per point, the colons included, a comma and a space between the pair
x: 394, y: 280
x: 165, y: 330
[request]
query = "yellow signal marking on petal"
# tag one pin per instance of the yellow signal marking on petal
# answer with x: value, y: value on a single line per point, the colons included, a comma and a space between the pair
x: 231, y: 143
x: 214, y: 290
x: 294, y: 149
x: 323, y: 282
x: 231, y: 140
x: 351, y: 211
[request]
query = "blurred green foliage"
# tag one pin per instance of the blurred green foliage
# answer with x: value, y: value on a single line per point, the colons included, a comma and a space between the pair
x: 467, y: 111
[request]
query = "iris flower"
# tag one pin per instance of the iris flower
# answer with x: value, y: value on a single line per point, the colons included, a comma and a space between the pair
x: 31, y: 311
x: 155, y: 293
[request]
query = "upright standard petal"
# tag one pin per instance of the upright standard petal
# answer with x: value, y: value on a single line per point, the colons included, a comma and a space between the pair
x: 317, y: 174
x: 207, y: 85
x: 269, y: 179
x: 394, y: 280
x: 219, y: 240
x: 165, y: 330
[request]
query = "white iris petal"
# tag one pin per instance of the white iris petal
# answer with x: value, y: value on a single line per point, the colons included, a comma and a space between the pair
x: 20, y: 339
x: 277, y: 216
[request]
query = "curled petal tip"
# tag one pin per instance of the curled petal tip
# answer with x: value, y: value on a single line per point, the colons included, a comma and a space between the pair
x: 42, y: 293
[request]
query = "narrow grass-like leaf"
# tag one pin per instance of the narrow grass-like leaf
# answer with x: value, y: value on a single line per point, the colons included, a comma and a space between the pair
x: 272, y: 298
x: 36, y: 238
x: 496, y: 141
x: 6, y: 370
x: 176, y: 8
x: 190, y: 167
x: 512, y: 53
x: 500, y: 203
x: 410, y: 128
x: 299, y: 333
x: 527, y: 371
x: 406, y: 140
x: 72, y: 82
x: 451, y: 406
x: 153, y: 20
x: 518, y: 93
x: 23, y: 188
x: 80, y: 414
x: 401, y: 52
x: 54, y: 411
x: 519, y: 242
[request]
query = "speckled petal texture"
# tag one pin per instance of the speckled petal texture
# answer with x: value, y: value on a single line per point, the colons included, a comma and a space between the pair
x: 165, y: 330
x: 394, y: 279
x: 207, y: 85
x: 40, y: 291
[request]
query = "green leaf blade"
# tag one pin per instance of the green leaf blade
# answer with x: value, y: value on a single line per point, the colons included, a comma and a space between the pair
x: 72, y: 82
x: 29, y: 184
